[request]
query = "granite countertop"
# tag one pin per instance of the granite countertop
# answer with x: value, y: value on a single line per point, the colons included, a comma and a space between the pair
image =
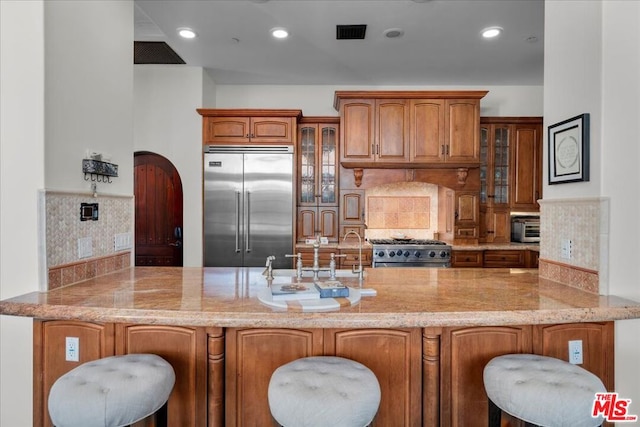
x: 226, y: 297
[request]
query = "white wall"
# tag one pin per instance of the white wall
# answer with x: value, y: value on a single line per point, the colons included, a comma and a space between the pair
x: 166, y: 123
x: 594, y: 67
x: 621, y: 176
x: 318, y: 100
x: 89, y: 93
x: 67, y: 85
x: 21, y: 175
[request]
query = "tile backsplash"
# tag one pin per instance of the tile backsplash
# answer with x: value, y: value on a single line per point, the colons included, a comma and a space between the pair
x: 403, y: 208
x: 63, y: 229
x: 585, y: 222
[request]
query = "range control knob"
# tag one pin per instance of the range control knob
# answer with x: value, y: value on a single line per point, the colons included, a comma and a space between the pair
x: 381, y: 253
x: 443, y: 254
x: 432, y: 254
x: 392, y: 254
x: 417, y: 254
x: 406, y: 254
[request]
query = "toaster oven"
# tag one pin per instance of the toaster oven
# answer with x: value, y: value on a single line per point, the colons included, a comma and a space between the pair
x: 525, y: 230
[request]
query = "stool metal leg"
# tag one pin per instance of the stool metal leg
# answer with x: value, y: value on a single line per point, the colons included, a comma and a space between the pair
x: 495, y: 414
x: 162, y: 416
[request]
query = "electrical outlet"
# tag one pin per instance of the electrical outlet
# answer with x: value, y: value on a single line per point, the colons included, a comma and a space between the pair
x: 72, y: 349
x: 575, y: 352
x: 122, y: 241
x: 566, y: 248
x: 85, y: 247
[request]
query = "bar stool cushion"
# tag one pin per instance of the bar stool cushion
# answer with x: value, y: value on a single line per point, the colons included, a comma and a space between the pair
x: 323, y: 391
x: 113, y: 391
x: 543, y: 390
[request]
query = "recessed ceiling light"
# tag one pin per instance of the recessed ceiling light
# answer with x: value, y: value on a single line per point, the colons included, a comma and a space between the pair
x: 279, y: 33
x: 393, y: 33
x: 491, y: 32
x: 187, y: 33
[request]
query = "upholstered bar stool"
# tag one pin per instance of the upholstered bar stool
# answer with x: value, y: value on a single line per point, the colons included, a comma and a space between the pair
x: 323, y: 391
x: 112, y: 392
x: 541, y: 391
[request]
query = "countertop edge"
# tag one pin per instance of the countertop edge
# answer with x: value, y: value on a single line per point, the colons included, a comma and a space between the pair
x: 320, y: 319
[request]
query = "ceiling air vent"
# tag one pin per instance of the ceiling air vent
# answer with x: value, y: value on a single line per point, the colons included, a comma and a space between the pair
x: 350, y: 32
x: 154, y: 53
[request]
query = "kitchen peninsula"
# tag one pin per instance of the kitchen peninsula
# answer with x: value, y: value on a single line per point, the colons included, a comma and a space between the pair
x: 426, y: 334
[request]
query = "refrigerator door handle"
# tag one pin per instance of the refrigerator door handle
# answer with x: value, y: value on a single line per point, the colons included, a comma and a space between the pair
x: 237, y: 221
x: 247, y: 235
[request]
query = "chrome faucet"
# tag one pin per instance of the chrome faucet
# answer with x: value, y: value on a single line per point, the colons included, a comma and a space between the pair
x: 269, y: 267
x: 316, y: 262
x: 359, y: 271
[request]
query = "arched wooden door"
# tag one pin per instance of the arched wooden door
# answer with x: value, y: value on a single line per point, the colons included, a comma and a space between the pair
x: 158, y: 211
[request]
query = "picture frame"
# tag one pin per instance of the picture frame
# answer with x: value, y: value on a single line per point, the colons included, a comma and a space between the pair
x: 569, y: 150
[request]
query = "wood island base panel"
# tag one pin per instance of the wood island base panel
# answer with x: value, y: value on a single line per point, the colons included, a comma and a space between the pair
x: 426, y: 335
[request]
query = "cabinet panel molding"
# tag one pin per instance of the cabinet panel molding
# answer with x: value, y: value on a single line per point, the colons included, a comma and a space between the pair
x: 395, y: 357
x: 252, y: 356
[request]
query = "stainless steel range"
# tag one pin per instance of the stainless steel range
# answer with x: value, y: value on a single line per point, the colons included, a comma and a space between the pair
x: 410, y: 253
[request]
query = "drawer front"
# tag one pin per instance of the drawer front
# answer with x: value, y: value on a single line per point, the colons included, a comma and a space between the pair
x: 466, y: 259
x: 352, y: 258
x: 508, y: 259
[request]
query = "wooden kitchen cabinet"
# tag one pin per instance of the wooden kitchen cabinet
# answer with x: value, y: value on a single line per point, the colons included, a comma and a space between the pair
x: 244, y: 126
x: 462, y: 142
x: 391, y: 142
x: 469, y: 259
x: 357, y: 129
x: 466, y: 216
x: 495, y: 258
x: 510, y: 172
x: 409, y: 129
x: 375, y: 130
x: 495, y: 183
x: 427, y: 138
x: 352, y: 258
x: 318, y: 182
x: 495, y: 224
x: 251, y: 357
x: 597, y: 346
x: 49, y: 363
x: 352, y: 212
x: 317, y: 221
x: 464, y: 354
x: 395, y: 357
x: 185, y: 349
x: 527, y: 165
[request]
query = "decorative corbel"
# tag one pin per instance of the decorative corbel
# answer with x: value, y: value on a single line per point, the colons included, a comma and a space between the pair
x: 409, y: 175
x: 462, y: 175
x: 357, y: 175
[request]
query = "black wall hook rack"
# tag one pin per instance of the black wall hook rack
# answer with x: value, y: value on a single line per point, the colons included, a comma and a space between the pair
x: 99, y: 171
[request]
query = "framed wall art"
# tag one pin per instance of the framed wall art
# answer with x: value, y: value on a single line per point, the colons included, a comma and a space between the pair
x: 569, y: 150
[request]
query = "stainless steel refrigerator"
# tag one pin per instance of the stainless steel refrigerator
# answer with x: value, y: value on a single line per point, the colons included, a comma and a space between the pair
x: 248, y: 205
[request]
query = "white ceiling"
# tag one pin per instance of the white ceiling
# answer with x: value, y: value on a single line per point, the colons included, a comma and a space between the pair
x: 441, y: 43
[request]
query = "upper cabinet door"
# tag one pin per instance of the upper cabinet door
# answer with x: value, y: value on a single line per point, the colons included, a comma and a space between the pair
x: 462, y: 123
x: 272, y: 130
x: 527, y: 166
x: 357, y: 130
x: 427, y: 138
x: 226, y: 130
x: 392, y: 131
x: 318, y: 164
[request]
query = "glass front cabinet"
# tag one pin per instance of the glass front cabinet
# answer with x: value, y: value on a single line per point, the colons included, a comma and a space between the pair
x: 495, y: 178
x: 318, y: 178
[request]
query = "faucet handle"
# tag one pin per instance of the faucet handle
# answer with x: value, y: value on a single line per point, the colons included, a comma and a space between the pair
x: 270, y: 259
